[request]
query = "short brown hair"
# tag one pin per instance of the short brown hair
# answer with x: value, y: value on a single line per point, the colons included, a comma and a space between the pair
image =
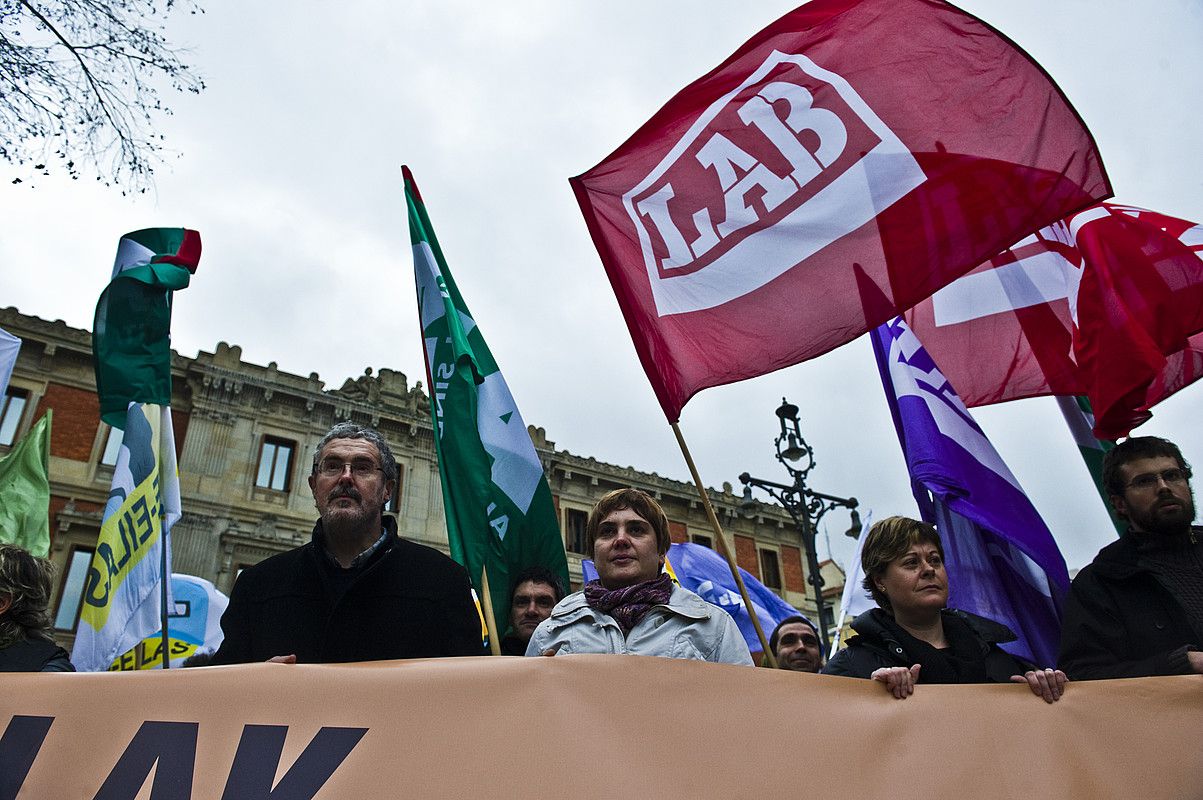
x: 888, y: 540
x: 25, y: 579
x: 639, y: 502
x: 1134, y: 449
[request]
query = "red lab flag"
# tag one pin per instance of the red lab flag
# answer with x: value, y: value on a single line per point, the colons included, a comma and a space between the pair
x: 1107, y: 303
x: 845, y: 163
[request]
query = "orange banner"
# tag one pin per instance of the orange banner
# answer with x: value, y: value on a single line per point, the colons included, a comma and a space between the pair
x: 585, y: 726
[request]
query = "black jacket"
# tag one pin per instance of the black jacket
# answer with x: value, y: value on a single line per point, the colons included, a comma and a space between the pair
x: 1120, y: 622
x: 408, y: 601
x: 874, y: 647
x: 34, y: 655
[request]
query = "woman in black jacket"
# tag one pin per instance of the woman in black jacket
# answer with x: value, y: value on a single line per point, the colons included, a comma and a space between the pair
x: 912, y: 638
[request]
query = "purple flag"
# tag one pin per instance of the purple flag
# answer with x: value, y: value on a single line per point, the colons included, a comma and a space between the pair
x: 1001, y: 558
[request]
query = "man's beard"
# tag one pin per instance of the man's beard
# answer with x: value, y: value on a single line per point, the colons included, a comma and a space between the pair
x: 1167, y: 521
x: 338, y: 519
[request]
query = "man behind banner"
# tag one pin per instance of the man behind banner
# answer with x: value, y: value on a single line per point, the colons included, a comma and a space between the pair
x: 1137, y: 609
x: 633, y: 607
x: 355, y: 592
x: 535, y: 592
x: 795, y: 643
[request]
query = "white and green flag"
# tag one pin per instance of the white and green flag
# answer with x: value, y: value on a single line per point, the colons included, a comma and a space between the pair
x: 1080, y: 418
x: 499, y: 509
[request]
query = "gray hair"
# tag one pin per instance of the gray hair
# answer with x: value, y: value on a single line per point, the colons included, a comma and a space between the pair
x: 351, y: 430
x: 25, y: 579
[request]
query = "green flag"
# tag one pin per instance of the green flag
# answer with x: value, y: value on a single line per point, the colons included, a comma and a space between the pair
x: 1079, y: 416
x: 131, y: 338
x: 25, y: 491
x: 500, y: 514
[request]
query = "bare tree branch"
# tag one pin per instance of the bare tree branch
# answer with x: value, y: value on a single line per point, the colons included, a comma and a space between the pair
x: 81, y: 79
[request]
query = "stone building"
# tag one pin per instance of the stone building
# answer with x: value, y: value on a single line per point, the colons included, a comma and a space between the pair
x: 245, y: 435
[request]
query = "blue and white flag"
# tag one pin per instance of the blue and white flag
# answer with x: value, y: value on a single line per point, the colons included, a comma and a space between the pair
x: 193, y: 626
x: 705, y: 573
x: 9, y: 347
x: 1001, y: 558
x: 121, y: 603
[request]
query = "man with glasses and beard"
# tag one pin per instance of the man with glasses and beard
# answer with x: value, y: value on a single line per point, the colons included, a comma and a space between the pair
x: 1137, y: 610
x: 355, y: 591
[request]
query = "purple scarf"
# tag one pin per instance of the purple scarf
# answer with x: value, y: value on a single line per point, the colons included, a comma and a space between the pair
x: 629, y: 604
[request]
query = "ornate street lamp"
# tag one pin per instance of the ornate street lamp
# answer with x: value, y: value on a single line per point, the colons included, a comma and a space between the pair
x: 805, y: 507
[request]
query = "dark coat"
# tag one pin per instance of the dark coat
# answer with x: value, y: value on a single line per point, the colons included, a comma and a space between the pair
x: 513, y: 646
x: 408, y: 601
x: 874, y: 647
x: 34, y: 655
x: 1120, y: 622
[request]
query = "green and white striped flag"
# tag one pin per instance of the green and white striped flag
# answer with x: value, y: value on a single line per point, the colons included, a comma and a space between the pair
x: 131, y: 336
x: 499, y: 509
x: 1079, y: 416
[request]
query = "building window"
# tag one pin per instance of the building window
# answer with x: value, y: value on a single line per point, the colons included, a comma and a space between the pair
x: 770, y: 569
x: 574, y: 531
x: 275, y: 458
x: 69, y: 599
x: 112, y: 447
x: 11, y: 409
x: 703, y: 540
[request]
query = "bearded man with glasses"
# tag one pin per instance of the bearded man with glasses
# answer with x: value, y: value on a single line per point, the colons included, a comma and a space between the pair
x: 355, y: 591
x: 1137, y: 610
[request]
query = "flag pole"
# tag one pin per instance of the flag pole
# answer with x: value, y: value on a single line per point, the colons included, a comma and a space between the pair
x: 726, y: 551
x: 486, y: 603
x: 163, y: 576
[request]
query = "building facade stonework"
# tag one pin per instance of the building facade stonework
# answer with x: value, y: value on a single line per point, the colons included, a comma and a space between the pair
x: 245, y: 436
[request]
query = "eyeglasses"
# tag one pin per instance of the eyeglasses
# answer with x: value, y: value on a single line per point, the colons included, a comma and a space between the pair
x: 1149, y: 480
x: 334, y: 468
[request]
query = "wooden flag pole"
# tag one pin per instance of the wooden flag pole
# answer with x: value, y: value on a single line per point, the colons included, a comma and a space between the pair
x: 726, y: 551
x: 486, y: 603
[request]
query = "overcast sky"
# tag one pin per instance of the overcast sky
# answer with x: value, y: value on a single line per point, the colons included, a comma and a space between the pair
x: 289, y: 166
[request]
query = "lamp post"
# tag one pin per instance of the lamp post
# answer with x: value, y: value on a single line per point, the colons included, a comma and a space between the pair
x: 804, y: 506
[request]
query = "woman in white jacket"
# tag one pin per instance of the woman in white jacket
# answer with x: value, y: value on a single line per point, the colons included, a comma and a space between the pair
x: 633, y: 607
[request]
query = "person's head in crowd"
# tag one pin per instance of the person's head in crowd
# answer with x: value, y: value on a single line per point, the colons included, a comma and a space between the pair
x: 795, y: 643
x: 1148, y: 481
x: 903, y: 561
x: 353, y: 477
x: 533, y: 594
x: 25, y: 582
x: 628, y: 539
